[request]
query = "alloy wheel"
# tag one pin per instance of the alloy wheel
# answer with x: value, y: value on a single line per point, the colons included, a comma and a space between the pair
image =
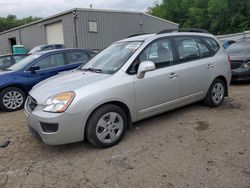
x: 13, y: 100
x: 109, y: 127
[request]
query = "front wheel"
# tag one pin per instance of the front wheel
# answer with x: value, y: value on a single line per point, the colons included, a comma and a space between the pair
x: 106, y: 126
x: 215, y: 94
x: 12, y: 99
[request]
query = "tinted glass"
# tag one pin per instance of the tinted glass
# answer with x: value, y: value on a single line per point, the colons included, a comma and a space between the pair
x: 204, y: 51
x: 187, y: 48
x: 240, y: 48
x: 51, y: 61
x: 77, y: 57
x: 212, y: 43
x: 160, y: 52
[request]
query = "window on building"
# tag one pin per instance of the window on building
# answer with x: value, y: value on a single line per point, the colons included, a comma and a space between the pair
x: 93, y: 26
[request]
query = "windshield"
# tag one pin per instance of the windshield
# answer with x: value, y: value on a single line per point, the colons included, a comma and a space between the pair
x: 24, y: 62
x: 34, y: 50
x: 111, y: 59
x: 239, y: 49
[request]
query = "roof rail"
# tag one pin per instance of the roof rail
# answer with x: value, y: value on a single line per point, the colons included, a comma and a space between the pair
x: 193, y: 30
x: 134, y: 35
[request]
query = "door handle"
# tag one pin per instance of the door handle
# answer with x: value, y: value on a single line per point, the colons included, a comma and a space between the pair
x: 173, y: 75
x: 210, y: 66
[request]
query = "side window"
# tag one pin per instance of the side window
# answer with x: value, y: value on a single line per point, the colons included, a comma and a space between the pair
x: 160, y: 52
x: 77, y: 57
x: 204, y: 51
x: 187, y: 48
x: 5, y: 61
x: 212, y: 43
x: 51, y: 61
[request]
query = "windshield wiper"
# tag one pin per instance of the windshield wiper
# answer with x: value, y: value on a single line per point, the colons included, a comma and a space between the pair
x: 92, y: 70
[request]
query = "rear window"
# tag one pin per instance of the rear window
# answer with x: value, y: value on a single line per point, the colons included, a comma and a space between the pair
x: 212, y: 43
x: 239, y: 48
x: 77, y: 57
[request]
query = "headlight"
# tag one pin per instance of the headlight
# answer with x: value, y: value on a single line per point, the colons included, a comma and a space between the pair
x: 246, y: 65
x: 59, y: 103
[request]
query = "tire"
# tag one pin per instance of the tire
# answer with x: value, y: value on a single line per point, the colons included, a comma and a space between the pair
x: 106, y: 126
x: 12, y: 99
x: 216, y: 94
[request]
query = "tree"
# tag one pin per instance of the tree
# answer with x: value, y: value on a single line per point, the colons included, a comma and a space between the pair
x: 11, y: 21
x: 216, y: 16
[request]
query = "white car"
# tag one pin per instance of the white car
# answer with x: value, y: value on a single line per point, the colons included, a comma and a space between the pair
x: 131, y: 80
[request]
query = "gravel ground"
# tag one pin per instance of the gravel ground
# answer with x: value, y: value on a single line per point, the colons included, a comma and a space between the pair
x: 194, y: 146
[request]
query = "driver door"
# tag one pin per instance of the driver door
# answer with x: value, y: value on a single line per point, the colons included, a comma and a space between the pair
x: 48, y: 66
x: 159, y: 89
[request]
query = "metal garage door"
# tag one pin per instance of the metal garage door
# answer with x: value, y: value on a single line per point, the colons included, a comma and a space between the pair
x: 55, y: 33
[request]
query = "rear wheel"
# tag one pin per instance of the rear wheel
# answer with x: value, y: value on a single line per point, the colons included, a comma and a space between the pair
x: 12, y: 99
x: 215, y: 94
x: 106, y: 126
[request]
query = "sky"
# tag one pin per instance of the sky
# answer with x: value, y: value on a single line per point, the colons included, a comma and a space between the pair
x: 45, y: 8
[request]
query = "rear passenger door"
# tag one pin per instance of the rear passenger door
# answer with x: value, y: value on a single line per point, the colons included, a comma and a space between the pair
x: 196, y: 67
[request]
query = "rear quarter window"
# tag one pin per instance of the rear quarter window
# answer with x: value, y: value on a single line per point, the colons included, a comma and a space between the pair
x: 212, y: 44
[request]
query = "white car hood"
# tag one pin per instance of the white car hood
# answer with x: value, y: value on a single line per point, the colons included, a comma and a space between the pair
x: 68, y: 81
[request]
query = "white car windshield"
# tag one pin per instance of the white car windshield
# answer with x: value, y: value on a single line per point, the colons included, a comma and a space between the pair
x: 111, y: 59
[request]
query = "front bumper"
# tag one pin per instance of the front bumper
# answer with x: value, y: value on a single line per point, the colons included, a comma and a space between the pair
x: 70, y: 126
x: 241, y: 74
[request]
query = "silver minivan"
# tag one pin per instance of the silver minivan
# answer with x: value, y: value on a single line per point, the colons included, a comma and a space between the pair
x: 133, y: 79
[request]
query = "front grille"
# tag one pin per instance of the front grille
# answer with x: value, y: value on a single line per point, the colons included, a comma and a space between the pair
x: 236, y: 64
x: 31, y: 103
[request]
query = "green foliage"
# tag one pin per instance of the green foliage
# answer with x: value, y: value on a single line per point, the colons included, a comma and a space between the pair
x: 216, y: 16
x: 11, y: 21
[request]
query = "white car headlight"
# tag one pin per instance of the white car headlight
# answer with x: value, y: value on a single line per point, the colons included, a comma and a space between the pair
x: 60, y: 102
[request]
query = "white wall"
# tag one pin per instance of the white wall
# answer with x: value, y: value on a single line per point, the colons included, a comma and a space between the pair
x: 235, y: 36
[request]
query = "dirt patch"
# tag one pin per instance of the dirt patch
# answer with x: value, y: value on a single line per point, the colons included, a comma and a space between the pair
x: 194, y: 146
x: 201, y: 126
x: 231, y: 103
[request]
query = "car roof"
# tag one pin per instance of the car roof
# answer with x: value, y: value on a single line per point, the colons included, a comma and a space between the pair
x: 8, y: 55
x: 63, y: 49
x: 155, y: 36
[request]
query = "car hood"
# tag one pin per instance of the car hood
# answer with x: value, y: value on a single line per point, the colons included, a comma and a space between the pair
x: 5, y: 73
x: 68, y: 81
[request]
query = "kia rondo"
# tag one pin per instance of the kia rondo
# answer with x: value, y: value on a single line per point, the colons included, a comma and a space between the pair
x: 131, y: 80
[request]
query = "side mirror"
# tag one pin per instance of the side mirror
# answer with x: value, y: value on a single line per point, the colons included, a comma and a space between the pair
x: 34, y: 69
x: 144, y: 67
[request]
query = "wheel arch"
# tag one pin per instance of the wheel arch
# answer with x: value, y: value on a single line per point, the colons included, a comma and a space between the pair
x: 224, y: 80
x: 14, y: 85
x: 120, y: 104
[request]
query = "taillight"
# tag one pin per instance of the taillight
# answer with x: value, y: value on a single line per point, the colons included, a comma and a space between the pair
x: 229, y: 60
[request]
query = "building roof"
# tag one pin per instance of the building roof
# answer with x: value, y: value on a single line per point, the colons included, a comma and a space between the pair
x: 87, y: 10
